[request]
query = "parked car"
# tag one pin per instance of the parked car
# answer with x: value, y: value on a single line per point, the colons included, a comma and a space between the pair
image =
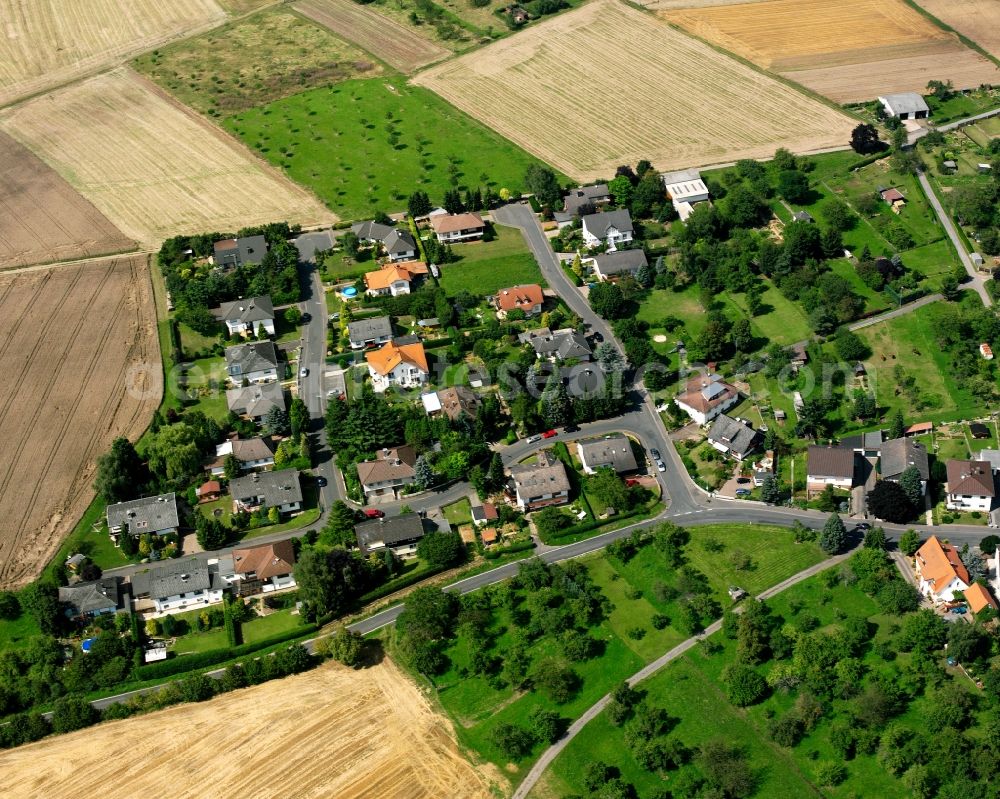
x: 742, y: 481
x: 571, y: 428
x: 533, y: 439
x: 598, y: 337
x: 303, y: 372
x: 743, y: 492
x: 321, y: 482
x: 334, y: 317
x: 306, y: 318
x: 549, y: 434
x: 661, y: 466
x: 655, y: 453
x: 373, y: 513
x: 862, y: 527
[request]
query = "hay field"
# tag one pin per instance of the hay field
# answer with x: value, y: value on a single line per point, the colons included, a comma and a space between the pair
x: 849, y: 50
x: 977, y: 19
x: 42, y: 218
x: 45, y: 43
x: 400, y: 47
x: 331, y: 732
x: 154, y: 168
x: 606, y: 85
x: 74, y: 338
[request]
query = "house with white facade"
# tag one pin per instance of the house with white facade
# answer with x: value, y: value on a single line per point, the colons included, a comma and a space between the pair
x: 256, y: 401
x: 371, y: 332
x: 391, y: 470
x: 452, y: 228
x: 829, y: 466
x: 154, y: 515
x: 618, y: 264
x: 395, y: 279
x: 401, y: 534
x: 179, y: 585
x: 734, y: 437
x: 400, y: 362
x: 254, y: 362
x: 264, y: 569
x: 266, y: 490
x: 252, y: 454
x: 230, y: 253
x: 970, y: 486
x: 614, y: 452
x: 538, y: 485
x: 940, y: 571
x: 247, y: 317
x: 685, y: 189
x: 527, y: 298
x: 609, y: 229
x: 706, y: 397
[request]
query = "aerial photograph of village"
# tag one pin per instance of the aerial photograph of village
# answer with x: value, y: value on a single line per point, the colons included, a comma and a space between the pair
x: 500, y: 399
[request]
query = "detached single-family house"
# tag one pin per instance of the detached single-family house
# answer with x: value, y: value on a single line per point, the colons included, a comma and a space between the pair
x: 400, y: 362
x: 254, y: 362
x: 527, y: 298
x: 265, y: 490
x: 829, y: 465
x: 940, y: 571
x: 96, y: 598
x: 452, y: 228
x: 613, y: 265
x: 686, y: 189
x: 970, y: 486
x: 391, y: 470
x: 893, y: 197
x: 155, y: 515
x: 561, y: 346
x: 400, y: 533
x: 247, y: 317
x: 369, y: 332
x: 209, y: 491
x: 905, y: 105
x: 586, y: 199
x: 251, y: 453
x: 898, y: 455
x: 265, y: 568
x: 484, y: 514
x: 230, y: 253
x: 733, y: 437
x: 706, y: 397
x: 454, y: 402
x: 256, y: 401
x: 179, y: 585
x: 610, y: 229
x: 978, y: 430
x: 371, y: 232
x: 394, y: 279
x: 399, y: 245
x: 538, y: 485
x: 613, y: 451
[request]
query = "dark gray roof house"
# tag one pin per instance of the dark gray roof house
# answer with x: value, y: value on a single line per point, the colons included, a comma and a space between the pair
x: 146, y: 515
x: 733, y: 437
x: 238, y: 252
x: 600, y: 224
x: 389, y: 532
x: 91, y: 599
x: 578, y: 198
x: 613, y: 451
x: 611, y: 264
x: 173, y: 578
x: 399, y: 242
x: 371, y: 231
x: 245, y: 360
x: 267, y: 489
x: 255, y: 401
x: 563, y: 344
x: 901, y: 453
x: 802, y: 216
x: 251, y: 309
x: 369, y: 331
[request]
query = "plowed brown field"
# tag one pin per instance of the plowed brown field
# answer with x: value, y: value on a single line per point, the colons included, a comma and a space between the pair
x: 977, y: 19
x: 381, y: 36
x: 42, y: 218
x: 153, y: 167
x: 74, y: 338
x: 44, y: 43
x: 849, y: 50
x: 331, y: 732
x: 605, y: 85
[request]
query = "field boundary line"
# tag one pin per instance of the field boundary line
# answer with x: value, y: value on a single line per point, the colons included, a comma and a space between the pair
x: 961, y: 36
x: 69, y: 262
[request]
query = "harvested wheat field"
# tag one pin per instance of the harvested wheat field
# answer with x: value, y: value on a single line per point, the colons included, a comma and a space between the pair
x: 977, y: 19
x: 606, y: 85
x: 399, y: 46
x: 75, y: 337
x: 849, y: 50
x: 153, y: 167
x: 44, y: 43
x: 43, y: 218
x: 331, y: 732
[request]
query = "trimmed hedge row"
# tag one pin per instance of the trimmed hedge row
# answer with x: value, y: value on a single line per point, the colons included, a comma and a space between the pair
x: 521, y: 546
x: 586, y: 527
x: 398, y: 585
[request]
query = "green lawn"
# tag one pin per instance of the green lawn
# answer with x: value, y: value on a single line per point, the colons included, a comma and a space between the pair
x: 95, y: 544
x: 15, y: 633
x: 932, y: 260
x: 458, y: 512
x: 874, y: 301
x: 485, y: 267
x: 205, y: 382
x: 192, y: 341
x: 962, y: 105
x: 257, y: 629
x: 365, y: 145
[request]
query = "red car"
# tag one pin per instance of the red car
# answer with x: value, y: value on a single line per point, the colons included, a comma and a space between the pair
x: 373, y: 513
x: 549, y: 434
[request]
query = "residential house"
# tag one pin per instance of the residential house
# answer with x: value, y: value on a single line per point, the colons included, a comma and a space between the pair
x: 562, y: 345
x: 400, y: 533
x: 585, y: 199
x: 802, y: 216
x: 256, y: 401
x: 247, y: 317
x: 970, y: 486
x: 609, y: 229
x: 154, y: 515
x: 371, y: 232
x: 453, y: 228
x: 919, y: 429
x: 254, y: 362
x: 763, y: 468
x: 454, y: 402
x: 613, y: 265
x: 978, y: 597
x: 400, y: 362
x: 394, y: 279
x: 706, y: 397
x: 900, y: 454
x: 75, y: 562
x: 391, y: 470
x: 251, y: 453
x: 940, y: 571
x: 686, y: 189
x: 611, y: 451
x: 979, y: 431
x: 400, y: 245
x: 538, y: 485
x: 893, y: 197
x: 230, y: 253
x: 266, y: 490
x: 799, y: 355
x: 265, y: 568
x: 733, y: 437
x: 905, y: 105
x: 867, y: 445
x: 95, y: 598
x: 830, y: 465
x: 527, y: 298
x: 369, y: 332
x: 484, y: 514
x: 209, y: 491
x: 179, y: 585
